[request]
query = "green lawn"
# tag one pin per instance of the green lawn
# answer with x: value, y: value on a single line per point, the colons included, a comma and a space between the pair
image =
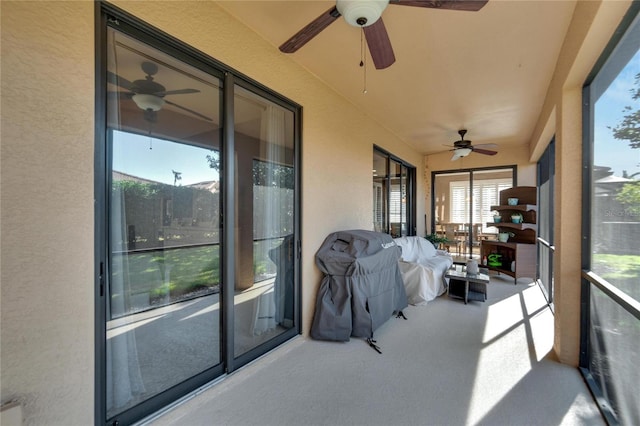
x: 172, y: 271
x: 177, y: 272
x: 623, y: 271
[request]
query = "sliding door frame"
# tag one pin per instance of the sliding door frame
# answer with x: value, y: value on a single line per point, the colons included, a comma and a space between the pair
x: 514, y: 173
x: 107, y: 15
x: 411, y: 211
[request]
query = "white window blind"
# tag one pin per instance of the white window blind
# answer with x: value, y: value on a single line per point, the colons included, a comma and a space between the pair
x: 485, y: 194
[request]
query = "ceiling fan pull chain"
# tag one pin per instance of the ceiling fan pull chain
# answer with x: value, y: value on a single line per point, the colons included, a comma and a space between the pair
x: 150, y: 138
x: 363, y: 60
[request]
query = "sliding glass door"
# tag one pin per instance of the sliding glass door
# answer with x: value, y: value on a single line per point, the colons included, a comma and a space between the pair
x: 163, y: 316
x: 185, y: 296
x: 393, y: 195
x: 462, y: 203
x: 264, y: 209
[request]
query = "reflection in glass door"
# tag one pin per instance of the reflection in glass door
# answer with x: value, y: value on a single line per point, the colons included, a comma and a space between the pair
x: 163, y: 293
x: 265, y: 208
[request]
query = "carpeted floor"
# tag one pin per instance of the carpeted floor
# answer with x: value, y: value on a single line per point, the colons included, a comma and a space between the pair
x: 448, y: 364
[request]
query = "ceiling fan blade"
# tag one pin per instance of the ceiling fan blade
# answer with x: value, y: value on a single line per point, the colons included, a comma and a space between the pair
x: 177, y: 92
x: 379, y: 44
x: 118, y: 81
x: 120, y: 95
x: 188, y: 110
x: 484, y: 151
x: 467, y: 5
x: 311, y: 30
x: 491, y: 146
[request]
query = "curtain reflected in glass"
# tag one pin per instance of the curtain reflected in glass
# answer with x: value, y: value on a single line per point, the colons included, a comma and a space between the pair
x: 163, y: 313
x: 265, y: 176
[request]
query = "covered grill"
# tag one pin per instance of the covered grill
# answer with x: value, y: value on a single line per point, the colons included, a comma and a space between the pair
x: 362, y: 285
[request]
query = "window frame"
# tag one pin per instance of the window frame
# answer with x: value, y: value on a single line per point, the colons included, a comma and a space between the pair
x: 470, y: 171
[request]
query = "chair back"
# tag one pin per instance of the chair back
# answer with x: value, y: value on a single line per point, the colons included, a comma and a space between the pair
x: 477, y: 231
x: 450, y: 230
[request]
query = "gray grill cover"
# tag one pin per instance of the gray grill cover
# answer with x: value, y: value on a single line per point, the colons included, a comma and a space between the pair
x: 362, y: 285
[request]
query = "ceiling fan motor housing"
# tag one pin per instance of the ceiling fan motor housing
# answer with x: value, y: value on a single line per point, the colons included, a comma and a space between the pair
x: 361, y: 13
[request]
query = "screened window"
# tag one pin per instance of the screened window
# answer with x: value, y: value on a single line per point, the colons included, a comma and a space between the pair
x: 611, y: 255
x: 546, y: 249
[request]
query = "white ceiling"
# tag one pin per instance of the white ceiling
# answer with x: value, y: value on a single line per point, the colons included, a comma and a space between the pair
x: 485, y: 71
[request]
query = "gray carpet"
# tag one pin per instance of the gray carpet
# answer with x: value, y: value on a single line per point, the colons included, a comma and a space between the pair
x: 449, y: 364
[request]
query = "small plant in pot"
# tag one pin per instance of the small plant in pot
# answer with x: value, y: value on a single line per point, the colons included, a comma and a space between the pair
x: 516, y: 218
x: 496, y: 216
x: 503, y: 237
x: 436, y: 239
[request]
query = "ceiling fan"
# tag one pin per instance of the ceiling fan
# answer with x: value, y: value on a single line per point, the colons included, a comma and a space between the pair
x: 463, y: 147
x: 148, y: 94
x: 367, y: 14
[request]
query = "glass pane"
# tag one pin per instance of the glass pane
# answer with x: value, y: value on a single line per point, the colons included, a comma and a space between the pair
x: 487, y: 185
x: 614, y: 356
x: 615, y: 212
x: 546, y: 167
x: 265, y: 177
x: 464, y: 229
x: 380, y: 190
x: 397, y: 218
x: 164, y: 271
x: 451, y: 209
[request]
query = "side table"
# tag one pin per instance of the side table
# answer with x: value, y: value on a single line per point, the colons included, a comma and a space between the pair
x: 467, y: 286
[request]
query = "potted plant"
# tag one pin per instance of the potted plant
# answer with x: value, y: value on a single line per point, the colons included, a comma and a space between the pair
x: 503, y: 237
x: 496, y: 216
x: 516, y: 218
x: 436, y: 239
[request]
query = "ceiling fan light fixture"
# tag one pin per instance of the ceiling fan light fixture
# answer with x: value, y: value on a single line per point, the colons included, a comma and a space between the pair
x: 361, y: 13
x: 463, y: 152
x: 148, y: 102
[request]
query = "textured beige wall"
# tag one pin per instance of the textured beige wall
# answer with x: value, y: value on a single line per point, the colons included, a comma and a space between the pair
x: 47, y: 182
x: 47, y: 210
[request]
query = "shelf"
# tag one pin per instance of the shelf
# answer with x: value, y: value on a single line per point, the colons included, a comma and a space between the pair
x: 519, y: 207
x: 511, y: 245
x: 499, y: 269
x: 511, y: 225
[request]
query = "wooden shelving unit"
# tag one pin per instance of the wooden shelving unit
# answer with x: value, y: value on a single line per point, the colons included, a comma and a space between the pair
x: 520, y: 248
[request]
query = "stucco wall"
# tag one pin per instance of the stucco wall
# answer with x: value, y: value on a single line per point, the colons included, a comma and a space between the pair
x: 47, y: 182
x: 47, y: 210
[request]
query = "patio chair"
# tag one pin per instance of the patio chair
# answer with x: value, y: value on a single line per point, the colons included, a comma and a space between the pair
x: 450, y: 233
